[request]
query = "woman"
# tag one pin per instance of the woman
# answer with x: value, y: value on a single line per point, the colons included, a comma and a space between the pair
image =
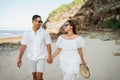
x: 69, y: 46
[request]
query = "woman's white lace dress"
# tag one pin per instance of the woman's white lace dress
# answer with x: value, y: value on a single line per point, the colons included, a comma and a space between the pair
x: 69, y: 56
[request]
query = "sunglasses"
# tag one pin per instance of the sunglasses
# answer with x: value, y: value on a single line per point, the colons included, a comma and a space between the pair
x: 39, y: 21
x: 65, y: 25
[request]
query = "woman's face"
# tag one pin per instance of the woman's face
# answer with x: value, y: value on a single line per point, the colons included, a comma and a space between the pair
x: 67, y: 27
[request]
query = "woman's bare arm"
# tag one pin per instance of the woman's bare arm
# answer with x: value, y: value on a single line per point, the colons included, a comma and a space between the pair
x: 57, y: 51
x: 81, y: 55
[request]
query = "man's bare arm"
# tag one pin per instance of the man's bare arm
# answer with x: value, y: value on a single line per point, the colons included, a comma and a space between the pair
x: 22, y: 50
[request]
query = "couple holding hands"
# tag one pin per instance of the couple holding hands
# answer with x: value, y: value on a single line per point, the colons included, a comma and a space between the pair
x: 37, y: 43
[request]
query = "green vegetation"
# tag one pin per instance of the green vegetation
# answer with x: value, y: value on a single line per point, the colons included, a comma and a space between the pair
x: 64, y: 7
x: 112, y: 23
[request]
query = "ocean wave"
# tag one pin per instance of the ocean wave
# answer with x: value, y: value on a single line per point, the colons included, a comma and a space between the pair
x: 11, y: 33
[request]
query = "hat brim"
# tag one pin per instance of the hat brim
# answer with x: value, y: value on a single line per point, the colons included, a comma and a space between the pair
x: 84, y: 70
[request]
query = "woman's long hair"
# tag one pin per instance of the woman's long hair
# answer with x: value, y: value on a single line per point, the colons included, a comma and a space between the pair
x: 73, y: 26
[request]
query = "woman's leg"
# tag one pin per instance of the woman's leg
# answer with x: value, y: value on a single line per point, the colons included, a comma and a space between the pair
x: 34, y: 75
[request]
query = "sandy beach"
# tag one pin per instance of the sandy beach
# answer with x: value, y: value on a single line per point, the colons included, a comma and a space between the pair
x: 102, y: 58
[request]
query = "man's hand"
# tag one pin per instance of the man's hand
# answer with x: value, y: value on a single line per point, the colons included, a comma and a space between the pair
x: 19, y: 63
x: 49, y: 60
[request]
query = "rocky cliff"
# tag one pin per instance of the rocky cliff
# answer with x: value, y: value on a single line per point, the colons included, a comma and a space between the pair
x: 89, y: 15
x: 95, y: 13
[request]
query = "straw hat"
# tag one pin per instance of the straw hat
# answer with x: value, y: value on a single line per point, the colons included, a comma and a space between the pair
x: 84, y: 70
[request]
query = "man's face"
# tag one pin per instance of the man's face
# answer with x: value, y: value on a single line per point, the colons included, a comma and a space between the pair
x: 37, y: 22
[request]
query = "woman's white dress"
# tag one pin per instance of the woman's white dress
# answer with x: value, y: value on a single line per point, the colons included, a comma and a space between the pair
x: 69, y: 56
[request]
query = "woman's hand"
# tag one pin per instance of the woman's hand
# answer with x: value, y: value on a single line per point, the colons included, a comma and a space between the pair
x: 84, y: 62
x: 49, y: 60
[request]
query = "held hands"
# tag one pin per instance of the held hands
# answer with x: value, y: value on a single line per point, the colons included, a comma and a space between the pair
x: 49, y: 59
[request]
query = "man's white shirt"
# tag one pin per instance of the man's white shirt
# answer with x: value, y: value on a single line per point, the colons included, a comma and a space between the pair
x: 36, y: 43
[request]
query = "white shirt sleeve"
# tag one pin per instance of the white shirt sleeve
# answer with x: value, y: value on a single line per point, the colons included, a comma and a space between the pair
x: 24, y: 39
x: 47, y: 38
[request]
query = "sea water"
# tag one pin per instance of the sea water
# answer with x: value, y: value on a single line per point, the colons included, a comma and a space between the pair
x: 7, y: 33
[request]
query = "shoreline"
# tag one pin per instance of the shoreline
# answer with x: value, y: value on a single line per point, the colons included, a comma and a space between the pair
x: 10, y: 40
x: 13, y: 43
x: 108, y: 35
x: 102, y: 34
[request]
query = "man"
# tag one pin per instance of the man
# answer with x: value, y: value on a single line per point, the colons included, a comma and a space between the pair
x: 37, y: 42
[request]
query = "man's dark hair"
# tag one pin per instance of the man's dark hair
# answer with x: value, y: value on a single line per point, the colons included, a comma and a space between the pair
x: 35, y: 17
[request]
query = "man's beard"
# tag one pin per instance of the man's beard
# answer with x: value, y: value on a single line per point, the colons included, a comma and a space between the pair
x: 38, y: 27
